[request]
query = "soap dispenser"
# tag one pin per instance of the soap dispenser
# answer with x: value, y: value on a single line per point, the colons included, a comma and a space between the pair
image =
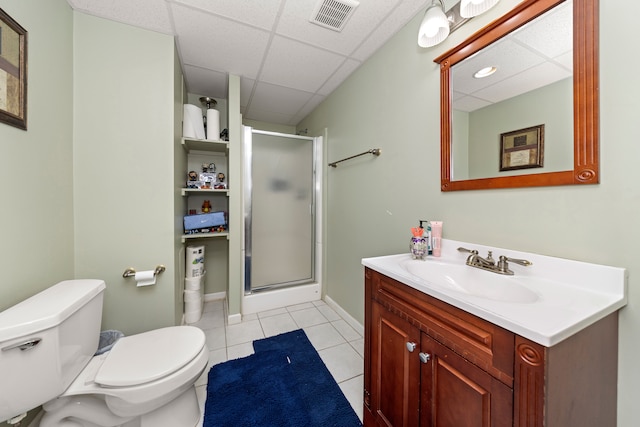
x: 418, y: 246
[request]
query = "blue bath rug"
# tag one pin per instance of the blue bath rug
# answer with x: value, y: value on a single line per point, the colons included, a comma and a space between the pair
x: 284, y: 384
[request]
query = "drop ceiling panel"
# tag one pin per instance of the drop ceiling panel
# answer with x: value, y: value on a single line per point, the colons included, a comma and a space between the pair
x: 202, y: 80
x: 204, y: 41
x: 298, y: 66
x: 338, y: 77
x: 551, y: 36
x: 280, y: 100
x: 509, y: 57
x: 294, y: 23
x: 261, y: 14
x: 148, y: 14
x: 263, y: 42
x: 398, y: 18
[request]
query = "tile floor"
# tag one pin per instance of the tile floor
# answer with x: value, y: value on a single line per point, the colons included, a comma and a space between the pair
x: 338, y: 344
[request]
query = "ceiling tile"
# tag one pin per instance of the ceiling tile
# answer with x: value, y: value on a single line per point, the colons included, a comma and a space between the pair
x: 298, y: 66
x: 262, y: 15
x: 204, y: 41
x: 149, y: 14
x: 347, y: 67
x: 206, y: 82
x: 399, y: 17
x: 279, y: 99
x: 307, y: 109
x: 294, y: 23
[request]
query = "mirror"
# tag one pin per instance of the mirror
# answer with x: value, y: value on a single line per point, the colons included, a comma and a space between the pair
x: 522, y: 138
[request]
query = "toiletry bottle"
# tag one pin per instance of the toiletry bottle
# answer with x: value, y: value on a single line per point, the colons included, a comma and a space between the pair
x: 418, y: 244
x: 436, y: 230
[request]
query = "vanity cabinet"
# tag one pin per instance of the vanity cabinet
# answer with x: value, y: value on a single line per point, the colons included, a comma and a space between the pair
x: 428, y: 363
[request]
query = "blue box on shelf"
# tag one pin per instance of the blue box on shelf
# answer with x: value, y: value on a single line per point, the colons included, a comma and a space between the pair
x: 207, y: 220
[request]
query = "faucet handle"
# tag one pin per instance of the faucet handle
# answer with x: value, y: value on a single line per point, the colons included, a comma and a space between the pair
x: 503, y: 265
x: 471, y: 251
x: 522, y: 262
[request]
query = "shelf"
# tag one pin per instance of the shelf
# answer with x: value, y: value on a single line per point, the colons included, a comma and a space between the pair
x: 194, y: 191
x: 216, y: 146
x: 214, y: 235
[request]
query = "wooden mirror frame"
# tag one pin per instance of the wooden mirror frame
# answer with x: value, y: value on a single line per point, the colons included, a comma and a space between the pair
x: 586, y: 116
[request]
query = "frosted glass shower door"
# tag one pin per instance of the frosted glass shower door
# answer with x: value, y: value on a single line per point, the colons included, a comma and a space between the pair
x: 279, y: 212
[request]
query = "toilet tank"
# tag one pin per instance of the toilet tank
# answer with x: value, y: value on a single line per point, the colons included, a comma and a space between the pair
x: 46, y: 341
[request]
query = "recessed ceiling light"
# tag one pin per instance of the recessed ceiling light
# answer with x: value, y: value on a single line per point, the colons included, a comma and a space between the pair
x: 485, y: 72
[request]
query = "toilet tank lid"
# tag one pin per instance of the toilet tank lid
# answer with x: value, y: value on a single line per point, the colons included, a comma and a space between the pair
x: 48, y: 308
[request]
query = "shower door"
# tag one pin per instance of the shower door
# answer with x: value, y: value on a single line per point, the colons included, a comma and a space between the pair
x: 279, y: 210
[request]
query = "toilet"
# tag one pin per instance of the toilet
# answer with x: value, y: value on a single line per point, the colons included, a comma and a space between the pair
x: 47, y: 347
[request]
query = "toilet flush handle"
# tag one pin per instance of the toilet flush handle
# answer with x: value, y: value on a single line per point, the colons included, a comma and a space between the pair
x: 28, y: 345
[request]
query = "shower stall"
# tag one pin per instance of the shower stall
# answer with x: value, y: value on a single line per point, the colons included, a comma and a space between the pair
x: 281, y: 204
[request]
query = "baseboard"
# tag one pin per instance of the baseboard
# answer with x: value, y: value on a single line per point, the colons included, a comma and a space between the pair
x: 346, y: 316
x: 215, y: 296
x: 233, y: 319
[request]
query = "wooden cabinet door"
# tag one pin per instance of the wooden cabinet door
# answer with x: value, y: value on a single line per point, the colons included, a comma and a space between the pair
x: 456, y: 393
x: 395, y: 369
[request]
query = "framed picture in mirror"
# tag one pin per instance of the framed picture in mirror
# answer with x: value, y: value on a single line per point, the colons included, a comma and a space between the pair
x: 13, y: 72
x: 522, y: 149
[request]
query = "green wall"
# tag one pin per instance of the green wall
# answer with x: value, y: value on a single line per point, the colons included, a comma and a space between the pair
x: 124, y: 143
x: 36, y: 170
x: 392, y: 102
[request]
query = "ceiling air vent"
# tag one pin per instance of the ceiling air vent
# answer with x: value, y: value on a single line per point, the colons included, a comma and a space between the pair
x: 333, y: 14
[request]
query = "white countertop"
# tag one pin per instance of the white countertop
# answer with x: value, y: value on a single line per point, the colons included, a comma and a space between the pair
x: 571, y: 295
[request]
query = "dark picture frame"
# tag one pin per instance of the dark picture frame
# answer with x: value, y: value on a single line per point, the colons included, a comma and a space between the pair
x: 522, y: 149
x: 13, y: 72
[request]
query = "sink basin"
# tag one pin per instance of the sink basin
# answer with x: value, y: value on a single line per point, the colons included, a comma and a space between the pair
x: 470, y: 281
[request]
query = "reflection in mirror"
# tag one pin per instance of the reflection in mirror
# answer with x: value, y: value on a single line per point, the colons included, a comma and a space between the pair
x: 528, y: 82
x: 529, y: 60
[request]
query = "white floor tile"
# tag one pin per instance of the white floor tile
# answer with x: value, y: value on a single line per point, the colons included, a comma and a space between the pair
x: 278, y: 324
x: 244, y: 332
x: 358, y: 345
x: 308, y: 317
x: 273, y: 312
x: 300, y: 306
x: 240, y: 350
x: 342, y: 361
x: 210, y: 319
x: 323, y: 336
x: 217, y: 305
x: 352, y: 390
x: 328, y: 312
x: 215, y: 338
x: 346, y: 330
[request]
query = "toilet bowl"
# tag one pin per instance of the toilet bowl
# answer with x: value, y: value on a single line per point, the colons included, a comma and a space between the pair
x: 144, y: 380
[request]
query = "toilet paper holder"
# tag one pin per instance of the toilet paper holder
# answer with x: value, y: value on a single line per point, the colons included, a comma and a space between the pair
x: 131, y: 272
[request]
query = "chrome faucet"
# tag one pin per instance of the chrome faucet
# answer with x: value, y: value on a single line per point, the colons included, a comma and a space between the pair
x: 489, y: 264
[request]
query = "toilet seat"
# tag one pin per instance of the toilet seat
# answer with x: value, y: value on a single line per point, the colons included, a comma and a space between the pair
x: 149, y: 356
x: 182, y: 373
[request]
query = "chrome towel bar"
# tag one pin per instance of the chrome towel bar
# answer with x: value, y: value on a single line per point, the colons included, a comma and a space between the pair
x: 374, y: 151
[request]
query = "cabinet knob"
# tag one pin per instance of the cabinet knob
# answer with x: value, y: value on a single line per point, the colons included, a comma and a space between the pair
x: 411, y: 346
x: 424, y: 357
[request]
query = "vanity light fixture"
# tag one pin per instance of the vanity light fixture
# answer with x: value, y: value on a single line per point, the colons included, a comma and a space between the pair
x: 471, y: 8
x: 485, y: 72
x: 438, y: 24
x: 435, y: 25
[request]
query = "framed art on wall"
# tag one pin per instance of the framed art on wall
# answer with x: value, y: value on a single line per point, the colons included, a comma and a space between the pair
x: 13, y: 72
x: 522, y: 149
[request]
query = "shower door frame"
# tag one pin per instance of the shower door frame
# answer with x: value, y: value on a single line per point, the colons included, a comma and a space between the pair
x: 247, y: 158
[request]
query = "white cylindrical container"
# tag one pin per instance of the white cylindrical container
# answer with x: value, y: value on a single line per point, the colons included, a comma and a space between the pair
x: 192, y: 283
x: 194, y: 262
x: 192, y: 122
x: 213, y: 124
